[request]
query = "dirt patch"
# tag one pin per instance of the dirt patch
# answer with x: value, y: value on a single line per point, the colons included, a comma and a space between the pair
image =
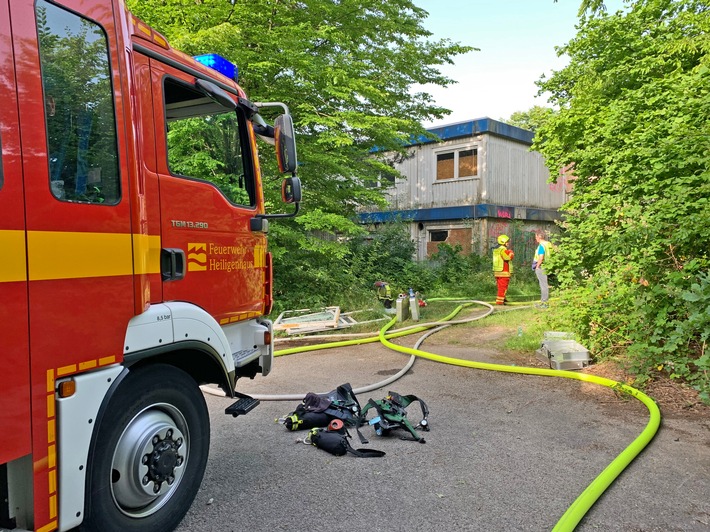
x: 471, y: 336
x: 677, y: 398
x: 673, y: 398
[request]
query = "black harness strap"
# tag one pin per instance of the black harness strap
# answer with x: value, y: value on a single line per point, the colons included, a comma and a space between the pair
x: 365, y: 453
x: 406, y: 400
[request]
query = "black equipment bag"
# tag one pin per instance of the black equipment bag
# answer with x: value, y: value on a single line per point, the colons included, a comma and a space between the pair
x: 336, y: 442
x: 318, y: 410
x: 301, y: 419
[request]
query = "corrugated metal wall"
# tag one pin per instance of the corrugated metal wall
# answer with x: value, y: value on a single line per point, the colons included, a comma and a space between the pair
x: 516, y: 176
x: 405, y: 193
x: 422, y: 190
x: 508, y: 174
x: 453, y: 192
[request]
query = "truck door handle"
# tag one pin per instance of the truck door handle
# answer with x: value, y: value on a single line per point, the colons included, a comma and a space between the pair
x: 172, y: 264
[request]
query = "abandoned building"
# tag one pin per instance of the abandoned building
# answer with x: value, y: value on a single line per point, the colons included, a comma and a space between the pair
x: 479, y: 180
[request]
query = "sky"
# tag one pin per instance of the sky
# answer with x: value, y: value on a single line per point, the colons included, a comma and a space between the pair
x: 517, y: 40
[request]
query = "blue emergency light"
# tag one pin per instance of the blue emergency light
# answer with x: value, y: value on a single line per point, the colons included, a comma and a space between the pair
x: 220, y: 64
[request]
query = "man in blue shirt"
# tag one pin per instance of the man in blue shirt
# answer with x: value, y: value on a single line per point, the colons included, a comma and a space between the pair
x: 542, y: 254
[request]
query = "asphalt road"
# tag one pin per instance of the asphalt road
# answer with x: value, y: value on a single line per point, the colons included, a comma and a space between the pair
x: 505, y: 452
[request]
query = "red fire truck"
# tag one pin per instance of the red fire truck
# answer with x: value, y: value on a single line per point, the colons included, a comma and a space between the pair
x: 134, y: 265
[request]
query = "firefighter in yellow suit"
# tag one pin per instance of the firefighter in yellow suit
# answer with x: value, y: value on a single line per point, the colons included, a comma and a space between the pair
x: 502, y: 267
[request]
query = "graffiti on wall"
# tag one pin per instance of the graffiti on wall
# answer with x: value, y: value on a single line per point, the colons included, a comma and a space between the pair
x: 495, y: 229
x: 522, y: 240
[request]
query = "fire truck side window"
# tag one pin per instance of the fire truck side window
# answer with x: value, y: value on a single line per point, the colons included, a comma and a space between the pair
x: 206, y: 141
x: 80, y: 117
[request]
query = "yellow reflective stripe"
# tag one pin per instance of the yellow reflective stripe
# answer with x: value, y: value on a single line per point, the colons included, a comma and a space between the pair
x: 83, y: 366
x: 66, y: 370
x: 13, y: 265
x: 51, y: 451
x: 50, y: 381
x: 48, y: 527
x: 52, y: 481
x: 107, y: 360
x: 52, y: 456
x: 147, y: 254
x: 259, y: 256
x: 51, y: 431
x: 65, y: 255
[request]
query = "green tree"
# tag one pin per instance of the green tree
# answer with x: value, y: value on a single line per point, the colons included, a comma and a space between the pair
x: 591, y: 6
x: 634, y: 122
x: 532, y: 119
x: 346, y: 69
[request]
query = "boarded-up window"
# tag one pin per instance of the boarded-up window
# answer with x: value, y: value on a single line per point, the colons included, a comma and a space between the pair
x: 461, y: 237
x: 457, y: 164
x: 453, y: 237
x: 445, y: 166
x: 468, y: 163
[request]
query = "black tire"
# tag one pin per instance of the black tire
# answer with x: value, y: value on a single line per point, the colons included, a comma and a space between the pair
x: 155, y: 435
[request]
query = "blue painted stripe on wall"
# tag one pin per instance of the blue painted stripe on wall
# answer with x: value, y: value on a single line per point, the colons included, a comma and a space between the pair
x: 477, y: 127
x: 464, y: 212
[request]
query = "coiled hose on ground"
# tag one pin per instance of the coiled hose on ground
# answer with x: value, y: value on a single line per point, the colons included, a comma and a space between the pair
x: 591, y: 494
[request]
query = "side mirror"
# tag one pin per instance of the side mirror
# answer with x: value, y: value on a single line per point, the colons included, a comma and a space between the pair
x: 291, y: 190
x: 285, y: 142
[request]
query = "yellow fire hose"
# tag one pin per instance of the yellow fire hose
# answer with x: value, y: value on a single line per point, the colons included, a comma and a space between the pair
x: 589, y: 496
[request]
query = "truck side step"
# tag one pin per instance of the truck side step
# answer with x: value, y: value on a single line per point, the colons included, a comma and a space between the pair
x: 244, y: 356
x: 243, y: 406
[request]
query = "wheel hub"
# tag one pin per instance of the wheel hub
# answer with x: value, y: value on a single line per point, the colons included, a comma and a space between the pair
x: 164, y: 459
x: 149, y: 460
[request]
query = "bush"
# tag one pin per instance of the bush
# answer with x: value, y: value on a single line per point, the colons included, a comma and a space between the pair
x: 328, y: 272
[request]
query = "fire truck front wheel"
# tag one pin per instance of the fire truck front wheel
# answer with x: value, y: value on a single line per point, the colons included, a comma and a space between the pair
x: 150, y: 453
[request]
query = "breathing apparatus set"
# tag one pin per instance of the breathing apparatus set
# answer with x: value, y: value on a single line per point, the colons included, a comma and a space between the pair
x: 327, y: 417
x: 392, y: 415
